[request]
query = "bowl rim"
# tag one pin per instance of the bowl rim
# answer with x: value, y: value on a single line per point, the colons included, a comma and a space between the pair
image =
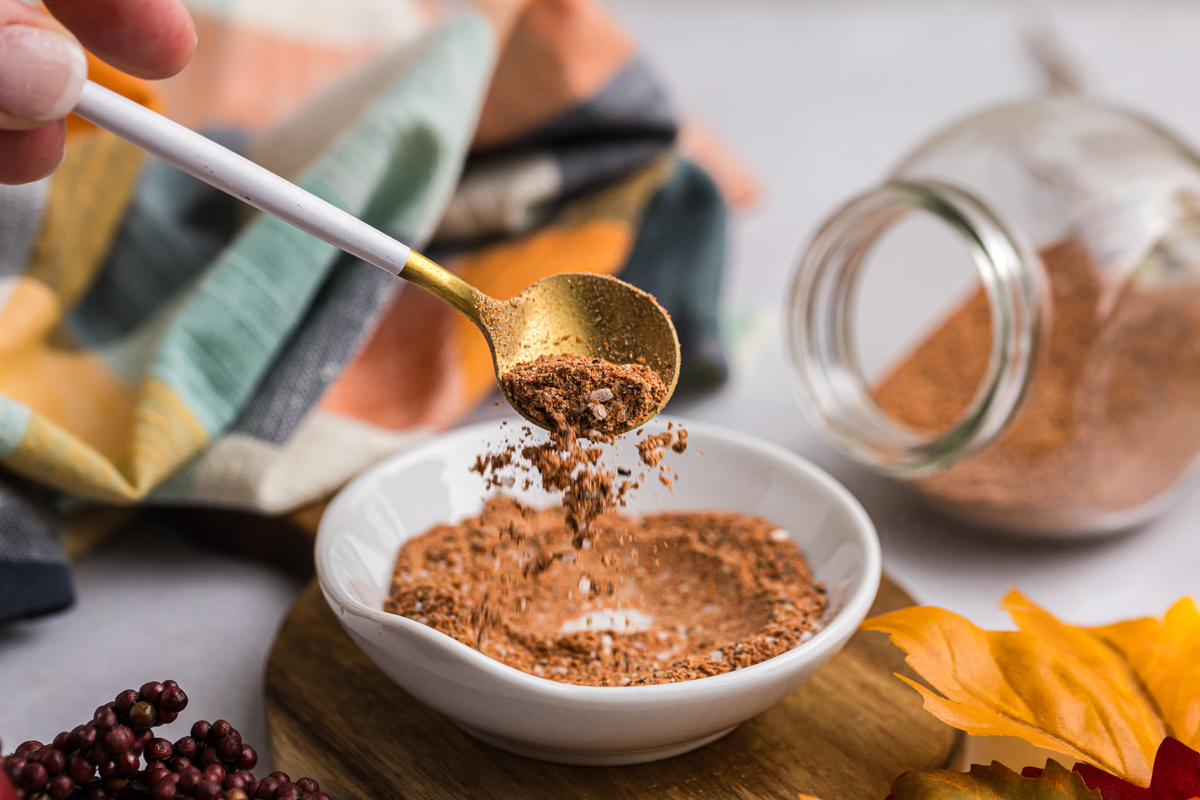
x: 832, y: 635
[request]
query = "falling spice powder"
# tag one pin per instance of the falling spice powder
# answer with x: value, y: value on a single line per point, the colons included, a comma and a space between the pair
x: 583, y: 402
x: 1111, y: 419
x: 571, y: 463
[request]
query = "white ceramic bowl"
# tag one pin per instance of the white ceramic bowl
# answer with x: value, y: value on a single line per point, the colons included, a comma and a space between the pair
x: 402, y: 497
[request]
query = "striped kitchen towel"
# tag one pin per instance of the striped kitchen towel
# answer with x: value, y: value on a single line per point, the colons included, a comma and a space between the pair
x: 161, y: 344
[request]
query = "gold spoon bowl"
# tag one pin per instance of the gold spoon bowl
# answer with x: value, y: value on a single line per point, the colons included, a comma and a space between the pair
x: 569, y: 314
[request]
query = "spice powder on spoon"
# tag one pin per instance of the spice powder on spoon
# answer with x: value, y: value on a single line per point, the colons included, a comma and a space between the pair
x: 602, y: 395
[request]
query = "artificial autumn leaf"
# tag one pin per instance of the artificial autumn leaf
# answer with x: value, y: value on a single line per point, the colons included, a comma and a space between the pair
x: 996, y: 782
x: 1106, y: 696
x: 1176, y: 776
x: 1166, y: 657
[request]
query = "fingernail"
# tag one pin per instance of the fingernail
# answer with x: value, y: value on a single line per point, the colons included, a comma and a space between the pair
x: 41, y: 73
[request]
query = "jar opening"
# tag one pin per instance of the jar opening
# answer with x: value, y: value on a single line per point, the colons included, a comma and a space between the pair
x: 838, y: 382
x: 920, y: 321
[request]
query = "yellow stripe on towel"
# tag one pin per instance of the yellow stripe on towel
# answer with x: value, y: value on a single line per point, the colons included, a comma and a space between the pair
x: 70, y: 388
x: 54, y: 457
x: 165, y: 435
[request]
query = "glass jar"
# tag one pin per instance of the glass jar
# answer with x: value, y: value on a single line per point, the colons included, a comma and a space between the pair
x: 1062, y: 397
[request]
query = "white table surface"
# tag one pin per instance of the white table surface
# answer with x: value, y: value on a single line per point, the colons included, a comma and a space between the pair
x: 821, y: 99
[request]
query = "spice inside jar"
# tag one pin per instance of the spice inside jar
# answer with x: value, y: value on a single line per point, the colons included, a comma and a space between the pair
x: 1111, y: 418
x: 1061, y: 399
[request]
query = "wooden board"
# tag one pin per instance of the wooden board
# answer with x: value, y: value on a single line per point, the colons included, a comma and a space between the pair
x: 846, y: 734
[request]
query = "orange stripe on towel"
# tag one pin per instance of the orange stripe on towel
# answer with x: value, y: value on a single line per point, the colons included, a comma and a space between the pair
x: 248, y: 79
x: 560, y: 52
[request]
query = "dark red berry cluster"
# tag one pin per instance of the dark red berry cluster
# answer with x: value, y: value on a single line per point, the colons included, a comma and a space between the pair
x: 102, y: 759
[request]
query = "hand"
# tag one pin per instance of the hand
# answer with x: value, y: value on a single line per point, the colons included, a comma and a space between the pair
x: 42, y: 67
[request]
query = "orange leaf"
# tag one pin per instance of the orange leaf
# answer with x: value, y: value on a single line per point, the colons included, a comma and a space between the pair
x: 1107, y: 696
x: 1166, y: 657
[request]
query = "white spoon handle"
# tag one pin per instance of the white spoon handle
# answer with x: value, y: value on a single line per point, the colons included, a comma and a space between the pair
x: 238, y: 176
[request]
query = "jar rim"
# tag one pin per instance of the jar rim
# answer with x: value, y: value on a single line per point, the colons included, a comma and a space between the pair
x: 827, y: 376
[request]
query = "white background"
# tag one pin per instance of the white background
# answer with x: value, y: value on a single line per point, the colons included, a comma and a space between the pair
x: 821, y: 99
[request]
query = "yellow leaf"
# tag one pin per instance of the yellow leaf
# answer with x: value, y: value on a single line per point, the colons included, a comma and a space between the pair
x: 1166, y: 658
x: 1107, y: 696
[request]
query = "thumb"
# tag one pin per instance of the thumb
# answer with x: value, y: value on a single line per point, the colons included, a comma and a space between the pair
x: 42, y: 68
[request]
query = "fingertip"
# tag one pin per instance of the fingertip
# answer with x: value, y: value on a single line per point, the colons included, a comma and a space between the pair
x: 189, y: 39
x: 29, y: 156
x: 171, y: 50
x: 145, y: 38
x: 178, y: 56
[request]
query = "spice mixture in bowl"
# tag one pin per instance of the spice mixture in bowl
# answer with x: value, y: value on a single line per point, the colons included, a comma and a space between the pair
x: 665, y: 597
x: 792, y: 514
